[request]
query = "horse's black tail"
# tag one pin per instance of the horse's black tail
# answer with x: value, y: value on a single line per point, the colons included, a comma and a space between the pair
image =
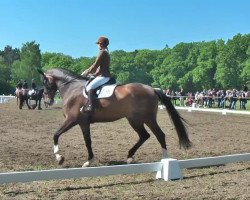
x: 176, y: 118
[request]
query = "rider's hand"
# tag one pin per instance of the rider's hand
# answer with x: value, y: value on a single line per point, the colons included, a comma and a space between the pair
x: 84, y: 73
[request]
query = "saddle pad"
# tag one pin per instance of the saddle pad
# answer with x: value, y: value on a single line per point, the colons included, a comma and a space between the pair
x: 103, y: 92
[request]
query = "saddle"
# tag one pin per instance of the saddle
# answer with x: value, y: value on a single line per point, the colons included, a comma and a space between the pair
x: 103, y: 91
x: 32, y: 92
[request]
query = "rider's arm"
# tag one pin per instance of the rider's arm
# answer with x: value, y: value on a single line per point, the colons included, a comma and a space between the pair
x: 95, y: 65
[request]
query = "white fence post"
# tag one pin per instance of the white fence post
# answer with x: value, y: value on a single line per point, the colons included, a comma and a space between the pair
x: 170, y: 170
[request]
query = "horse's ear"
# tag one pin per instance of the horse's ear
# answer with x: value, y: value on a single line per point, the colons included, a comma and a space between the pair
x: 40, y: 72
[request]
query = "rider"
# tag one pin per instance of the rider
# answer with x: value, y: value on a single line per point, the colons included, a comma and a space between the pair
x: 33, y: 86
x: 25, y: 85
x: 100, y: 70
x: 19, y: 86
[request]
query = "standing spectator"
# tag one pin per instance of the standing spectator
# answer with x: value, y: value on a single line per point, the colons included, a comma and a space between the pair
x: 181, y: 97
x: 222, y: 99
x: 210, y: 98
x: 243, y: 100
x: 189, y: 99
x: 233, y: 99
x: 245, y: 89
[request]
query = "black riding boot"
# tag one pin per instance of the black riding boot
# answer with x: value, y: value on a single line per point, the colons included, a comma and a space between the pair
x: 89, y: 107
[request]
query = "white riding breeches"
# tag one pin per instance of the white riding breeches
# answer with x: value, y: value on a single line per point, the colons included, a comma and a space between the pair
x: 98, y: 81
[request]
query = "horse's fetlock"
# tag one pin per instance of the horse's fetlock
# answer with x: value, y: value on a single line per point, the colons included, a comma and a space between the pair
x: 56, y: 149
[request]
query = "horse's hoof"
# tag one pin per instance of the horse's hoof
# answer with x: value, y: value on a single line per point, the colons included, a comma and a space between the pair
x: 130, y: 160
x: 88, y: 163
x: 61, y: 161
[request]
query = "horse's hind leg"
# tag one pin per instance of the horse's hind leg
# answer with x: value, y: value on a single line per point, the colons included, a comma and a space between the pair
x: 154, y: 127
x: 27, y: 102
x: 143, y: 136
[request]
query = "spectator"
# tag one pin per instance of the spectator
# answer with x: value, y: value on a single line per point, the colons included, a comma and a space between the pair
x: 181, y: 93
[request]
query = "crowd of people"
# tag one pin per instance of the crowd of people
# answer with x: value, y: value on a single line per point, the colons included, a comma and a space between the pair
x: 211, y: 98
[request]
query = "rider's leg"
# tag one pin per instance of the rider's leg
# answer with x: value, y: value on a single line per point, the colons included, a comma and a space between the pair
x: 90, y: 106
x: 98, y: 81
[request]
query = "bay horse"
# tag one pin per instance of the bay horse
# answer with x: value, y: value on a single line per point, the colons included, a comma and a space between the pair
x: 136, y: 102
x: 24, y: 96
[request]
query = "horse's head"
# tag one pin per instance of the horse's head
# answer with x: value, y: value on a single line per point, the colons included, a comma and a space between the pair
x: 50, y: 87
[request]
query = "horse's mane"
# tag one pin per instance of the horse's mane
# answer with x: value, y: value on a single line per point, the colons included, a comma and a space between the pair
x: 65, y: 74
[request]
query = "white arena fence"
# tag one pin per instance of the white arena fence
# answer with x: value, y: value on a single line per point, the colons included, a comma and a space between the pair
x: 5, y: 99
x: 167, y: 169
x: 222, y: 111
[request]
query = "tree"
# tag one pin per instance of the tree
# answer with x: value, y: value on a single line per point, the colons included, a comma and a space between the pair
x: 230, y: 61
x: 56, y: 60
x: 30, y: 61
x: 204, y: 72
x: 7, y: 58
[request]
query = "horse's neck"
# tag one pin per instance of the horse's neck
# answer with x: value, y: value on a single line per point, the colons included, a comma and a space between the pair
x: 64, y: 87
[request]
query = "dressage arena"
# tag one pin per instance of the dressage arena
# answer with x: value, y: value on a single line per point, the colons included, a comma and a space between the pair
x: 26, y: 144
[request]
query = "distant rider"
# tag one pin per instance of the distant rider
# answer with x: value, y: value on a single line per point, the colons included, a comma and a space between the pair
x: 33, y: 86
x: 25, y: 85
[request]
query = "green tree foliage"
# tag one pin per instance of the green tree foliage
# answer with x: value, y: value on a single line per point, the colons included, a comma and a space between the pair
x: 245, y: 75
x: 204, y: 72
x: 191, y: 66
x: 56, y: 60
x: 26, y: 67
x: 231, y: 61
x: 7, y: 58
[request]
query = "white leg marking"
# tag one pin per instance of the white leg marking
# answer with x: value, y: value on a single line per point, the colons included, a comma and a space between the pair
x: 56, y: 149
x: 164, y: 153
x: 88, y: 163
x: 58, y: 157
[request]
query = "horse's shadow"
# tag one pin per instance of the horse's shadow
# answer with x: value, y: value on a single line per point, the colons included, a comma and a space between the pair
x: 115, y: 162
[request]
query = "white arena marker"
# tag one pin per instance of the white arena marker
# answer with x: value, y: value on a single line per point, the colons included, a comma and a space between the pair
x: 170, y: 170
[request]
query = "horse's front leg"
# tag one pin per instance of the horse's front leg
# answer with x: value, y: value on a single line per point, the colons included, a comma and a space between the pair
x: 34, y: 107
x: 67, y: 124
x: 86, y: 134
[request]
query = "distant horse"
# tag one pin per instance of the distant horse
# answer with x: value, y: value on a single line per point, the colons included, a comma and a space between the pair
x: 25, y: 96
x: 37, y: 97
x: 22, y: 97
x: 136, y: 102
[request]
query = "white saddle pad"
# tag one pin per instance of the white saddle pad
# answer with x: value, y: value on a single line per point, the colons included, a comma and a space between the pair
x: 104, y: 92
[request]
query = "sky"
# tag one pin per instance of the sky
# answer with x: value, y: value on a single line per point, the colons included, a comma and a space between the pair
x: 72, y: 27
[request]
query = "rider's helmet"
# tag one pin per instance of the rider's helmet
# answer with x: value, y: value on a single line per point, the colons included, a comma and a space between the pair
x: 103, y: 40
